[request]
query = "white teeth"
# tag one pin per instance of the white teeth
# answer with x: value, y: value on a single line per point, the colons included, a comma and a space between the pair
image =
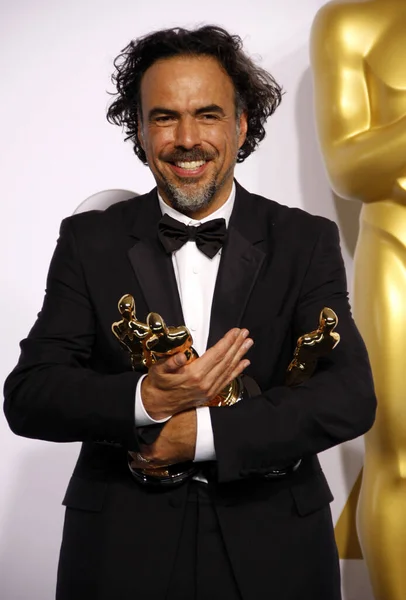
x: 193, y: 164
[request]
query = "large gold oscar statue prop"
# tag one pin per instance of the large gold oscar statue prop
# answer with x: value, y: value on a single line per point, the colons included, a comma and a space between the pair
x: 358, y: 53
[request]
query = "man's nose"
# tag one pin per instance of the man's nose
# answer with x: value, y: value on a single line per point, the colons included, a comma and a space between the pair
x: 187, y: 132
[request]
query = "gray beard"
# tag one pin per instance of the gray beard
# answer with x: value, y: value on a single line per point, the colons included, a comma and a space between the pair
x: 190, y: 201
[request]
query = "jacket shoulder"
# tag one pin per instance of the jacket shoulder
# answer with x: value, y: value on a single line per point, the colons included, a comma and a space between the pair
x: 102, y: 229
x: 118, y: 212
x: 288, y: 217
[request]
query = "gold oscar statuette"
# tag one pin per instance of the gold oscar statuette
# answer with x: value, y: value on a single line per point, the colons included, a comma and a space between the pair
x: 149, y: 342
x: 357, y: 50
x: 310, y: 347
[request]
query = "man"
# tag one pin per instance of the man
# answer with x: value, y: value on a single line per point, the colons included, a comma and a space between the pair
x: 193, y: 105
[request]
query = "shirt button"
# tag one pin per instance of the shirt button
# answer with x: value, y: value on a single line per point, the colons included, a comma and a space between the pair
x: 193, y: 327
x: 195, y: 270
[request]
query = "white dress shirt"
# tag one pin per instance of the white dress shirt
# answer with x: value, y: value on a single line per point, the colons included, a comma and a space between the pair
x: 196, y: 276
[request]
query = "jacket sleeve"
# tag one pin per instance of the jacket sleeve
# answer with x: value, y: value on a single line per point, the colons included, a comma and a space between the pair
x: 53, y: 394
x: 336, y: 404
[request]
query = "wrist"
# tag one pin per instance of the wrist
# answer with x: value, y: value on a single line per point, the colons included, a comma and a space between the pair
x: 151, y: 401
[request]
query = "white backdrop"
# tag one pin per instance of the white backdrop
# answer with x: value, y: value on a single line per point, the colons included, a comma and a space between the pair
x: 56, y: 149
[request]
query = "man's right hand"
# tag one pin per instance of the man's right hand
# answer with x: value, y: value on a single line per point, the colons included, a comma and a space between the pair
x: 172, y: 386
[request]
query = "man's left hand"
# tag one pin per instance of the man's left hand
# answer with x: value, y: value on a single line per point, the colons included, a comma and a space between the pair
x: 176, y: 443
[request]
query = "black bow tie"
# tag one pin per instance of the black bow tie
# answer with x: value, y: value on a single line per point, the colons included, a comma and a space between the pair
x: 209, y: 236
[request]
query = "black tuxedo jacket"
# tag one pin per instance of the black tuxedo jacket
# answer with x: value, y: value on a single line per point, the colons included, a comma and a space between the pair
x: 279, y: 267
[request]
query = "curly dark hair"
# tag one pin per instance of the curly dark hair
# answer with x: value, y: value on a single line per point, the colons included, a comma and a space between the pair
x: 256, y: 91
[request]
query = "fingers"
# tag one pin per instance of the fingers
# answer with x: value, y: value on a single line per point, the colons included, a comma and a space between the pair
x: 224, y: 361
x: 234, y: 341
x: 233, y: 363
x: 227, y: 355
x: 175, y: 384
x: 144, y: 459
x: 230, y: 345
x: 216, y: 353
x: 238, y: 370
x: 138, y: 462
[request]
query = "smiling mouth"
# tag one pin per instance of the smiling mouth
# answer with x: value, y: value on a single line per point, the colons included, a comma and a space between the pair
x: 190, y: 164
x: 188, y: 168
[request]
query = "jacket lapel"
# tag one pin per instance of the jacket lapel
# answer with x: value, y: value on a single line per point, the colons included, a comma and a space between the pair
x: 241, y: 261
x: 152, y: 265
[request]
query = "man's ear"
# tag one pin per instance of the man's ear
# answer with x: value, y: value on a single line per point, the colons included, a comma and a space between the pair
x: 243, y: 128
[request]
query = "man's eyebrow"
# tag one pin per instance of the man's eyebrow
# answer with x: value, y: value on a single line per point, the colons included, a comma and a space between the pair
x: 161, y: 110
x: 211, y: 108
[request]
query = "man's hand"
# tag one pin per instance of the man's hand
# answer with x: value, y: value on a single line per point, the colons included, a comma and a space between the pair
x: 176, y: 443
x: 172, y: 386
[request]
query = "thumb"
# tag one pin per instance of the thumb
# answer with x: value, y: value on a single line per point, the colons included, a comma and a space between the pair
x: 175, y: 362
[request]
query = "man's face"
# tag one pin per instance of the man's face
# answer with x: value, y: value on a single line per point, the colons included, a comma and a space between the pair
x: 190, y: 133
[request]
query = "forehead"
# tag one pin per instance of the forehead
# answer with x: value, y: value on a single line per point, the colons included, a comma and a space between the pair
x: 186, y: 82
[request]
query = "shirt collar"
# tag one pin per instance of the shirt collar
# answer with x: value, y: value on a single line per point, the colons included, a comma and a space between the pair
x: 224, y: 212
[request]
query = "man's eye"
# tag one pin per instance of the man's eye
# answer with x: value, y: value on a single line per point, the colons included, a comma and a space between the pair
x: 164, y: 119
x: 209, y: 117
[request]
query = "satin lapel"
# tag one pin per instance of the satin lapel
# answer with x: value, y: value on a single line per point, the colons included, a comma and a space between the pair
x: 153, y: 267
x: 240, y: 264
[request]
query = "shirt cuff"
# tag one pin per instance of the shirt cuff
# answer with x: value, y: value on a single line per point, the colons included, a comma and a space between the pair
x: 204, y: 438
x: 142, y: 418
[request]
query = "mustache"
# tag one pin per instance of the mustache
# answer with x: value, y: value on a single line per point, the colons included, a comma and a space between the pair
x: 187, y: 155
